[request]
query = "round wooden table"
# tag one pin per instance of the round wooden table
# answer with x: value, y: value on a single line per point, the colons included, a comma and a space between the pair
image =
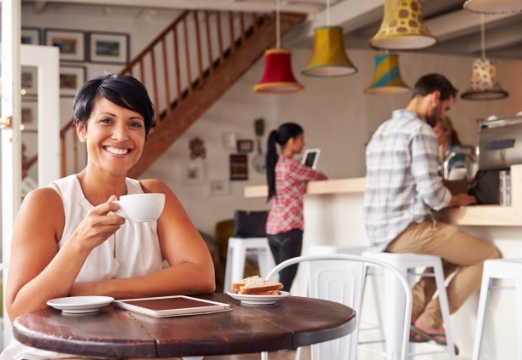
x: 113, y: 332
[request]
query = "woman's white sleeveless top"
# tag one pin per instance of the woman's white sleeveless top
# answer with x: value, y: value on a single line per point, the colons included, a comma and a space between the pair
x: 132, y: 251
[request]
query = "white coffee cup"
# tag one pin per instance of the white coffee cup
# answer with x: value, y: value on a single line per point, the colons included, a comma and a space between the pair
x: 141, y: 207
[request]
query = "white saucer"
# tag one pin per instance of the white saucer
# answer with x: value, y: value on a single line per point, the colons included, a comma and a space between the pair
x: 258, y: 299
x: 80, y: 304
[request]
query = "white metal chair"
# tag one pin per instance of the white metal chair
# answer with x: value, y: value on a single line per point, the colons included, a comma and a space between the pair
x: 340, y: 278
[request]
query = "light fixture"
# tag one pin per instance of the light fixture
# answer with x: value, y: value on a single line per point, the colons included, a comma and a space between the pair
x: 483, y: 83
x: 494, y: 6
x: 278, y: 77
x: 402, y: 27
x: 386, y: 77
x: 329, y: 57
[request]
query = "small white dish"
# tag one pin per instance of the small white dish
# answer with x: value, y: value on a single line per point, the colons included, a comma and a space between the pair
x: 80, y: 304
x: 258, y: 299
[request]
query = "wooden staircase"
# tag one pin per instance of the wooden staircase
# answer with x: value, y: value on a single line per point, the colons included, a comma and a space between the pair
x: 186, y: 69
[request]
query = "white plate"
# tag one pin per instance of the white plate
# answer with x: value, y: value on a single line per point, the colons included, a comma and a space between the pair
x: 259, y: 299
x: 80, y: 304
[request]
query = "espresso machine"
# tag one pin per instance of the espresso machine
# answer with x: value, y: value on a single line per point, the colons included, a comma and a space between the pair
x: 499, y: 147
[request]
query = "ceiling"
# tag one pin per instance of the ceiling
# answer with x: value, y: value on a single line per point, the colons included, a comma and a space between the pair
x: 457, y: 30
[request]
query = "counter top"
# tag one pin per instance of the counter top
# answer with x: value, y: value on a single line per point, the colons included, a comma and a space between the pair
x: 333, y: 186
x: 478, y: 215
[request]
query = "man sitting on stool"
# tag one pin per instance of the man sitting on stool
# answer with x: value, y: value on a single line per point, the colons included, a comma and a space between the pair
x: 403, y: 191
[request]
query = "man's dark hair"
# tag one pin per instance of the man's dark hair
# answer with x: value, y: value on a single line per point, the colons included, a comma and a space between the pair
x: 434, y: 82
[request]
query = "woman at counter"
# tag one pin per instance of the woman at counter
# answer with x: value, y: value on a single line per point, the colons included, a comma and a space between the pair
x: 287, y: 180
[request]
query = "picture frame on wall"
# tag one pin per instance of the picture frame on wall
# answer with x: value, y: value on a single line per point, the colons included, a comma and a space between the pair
x: 30, y: 36
x: 30, y: 115
x: 70, y: 42
x: 219, y: 187
x: 245, y: 146
x: 238, y: 167
x: 192, y: 174
x: 109, y: 48
x: 71, y: 79
x: 29, y: 81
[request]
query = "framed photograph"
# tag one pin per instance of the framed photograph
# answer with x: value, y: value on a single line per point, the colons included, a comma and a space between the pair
x: 238, y: 167
x: 219, y: 187
x: 30, y: 115
x: 192, y: 174
x: 71, y: 78
x: 31, y: 36
x: 229, y: 141
x: 29, y: 80
x: 109, y: 48
x: 70, y: 42
x: 245, y: 146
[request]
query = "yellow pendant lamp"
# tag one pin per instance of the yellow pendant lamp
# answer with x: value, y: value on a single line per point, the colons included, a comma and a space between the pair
x: 278, y: 77
x: 402, y: 27
x: 386, y: 77
x: 329, y: 57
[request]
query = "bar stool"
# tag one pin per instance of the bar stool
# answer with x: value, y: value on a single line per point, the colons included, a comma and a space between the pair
x: 406, y: 264
x: 237, y: 252
x: 506, y: 269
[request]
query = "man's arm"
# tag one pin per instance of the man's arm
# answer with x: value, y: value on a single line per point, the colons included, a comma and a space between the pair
x: 461, y: 199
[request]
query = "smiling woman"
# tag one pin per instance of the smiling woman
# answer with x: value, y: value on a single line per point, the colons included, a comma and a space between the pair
x: 67, y: 241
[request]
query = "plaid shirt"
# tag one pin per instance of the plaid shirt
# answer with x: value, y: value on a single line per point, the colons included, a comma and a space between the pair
x: 402, y: 183
x: 287, y: 204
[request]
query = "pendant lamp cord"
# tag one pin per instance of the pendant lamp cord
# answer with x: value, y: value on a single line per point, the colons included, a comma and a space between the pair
x: 482, y: 36
x: 278, y: 29
x: 328, y: 12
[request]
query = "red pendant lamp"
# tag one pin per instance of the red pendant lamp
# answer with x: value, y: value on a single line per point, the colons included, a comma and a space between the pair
x: 278, y: 77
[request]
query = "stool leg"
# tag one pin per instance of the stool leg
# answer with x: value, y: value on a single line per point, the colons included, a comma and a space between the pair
x: 444, y: 309
x: 228, y: 267
x: 518, y: 290
x: 394, y: 319
x: 376, y: 298
x: 238, y: 261
x: 481, y: 315
x: 265, y: 260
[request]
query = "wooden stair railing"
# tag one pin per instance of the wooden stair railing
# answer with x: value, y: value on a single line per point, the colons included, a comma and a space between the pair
x: 186, y: 69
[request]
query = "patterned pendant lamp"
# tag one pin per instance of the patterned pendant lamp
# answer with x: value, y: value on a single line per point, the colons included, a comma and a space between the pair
x: 483, y: 83
x: 278, y: 77
x: 386, y: 77
x: 494, y: 6
x: 402, y: 27
x: 329, y: 57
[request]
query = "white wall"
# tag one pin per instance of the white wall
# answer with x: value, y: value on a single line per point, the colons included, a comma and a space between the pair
x: 336, y: 114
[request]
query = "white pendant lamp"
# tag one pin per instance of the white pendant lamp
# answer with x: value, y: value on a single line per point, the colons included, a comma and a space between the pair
x: 483, y: 83
x: 494, y: 6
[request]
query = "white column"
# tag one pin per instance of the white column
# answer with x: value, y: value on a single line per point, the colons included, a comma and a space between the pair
x: 11, y: 137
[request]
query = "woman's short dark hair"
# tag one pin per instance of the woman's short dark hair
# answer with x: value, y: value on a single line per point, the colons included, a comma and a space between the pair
x: 434, y: 82
x: 123, y: 90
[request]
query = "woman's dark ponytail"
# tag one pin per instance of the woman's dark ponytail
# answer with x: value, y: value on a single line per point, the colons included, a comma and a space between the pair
x: 281, y: 136
x: 271, y: 160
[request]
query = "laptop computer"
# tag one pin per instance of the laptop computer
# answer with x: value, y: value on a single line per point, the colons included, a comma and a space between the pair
x: 311, y: 157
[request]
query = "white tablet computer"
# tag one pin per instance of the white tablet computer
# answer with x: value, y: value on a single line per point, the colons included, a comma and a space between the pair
x: 311, y: 157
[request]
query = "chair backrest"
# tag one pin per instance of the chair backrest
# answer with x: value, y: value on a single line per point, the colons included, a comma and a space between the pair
x: 341, y: 278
